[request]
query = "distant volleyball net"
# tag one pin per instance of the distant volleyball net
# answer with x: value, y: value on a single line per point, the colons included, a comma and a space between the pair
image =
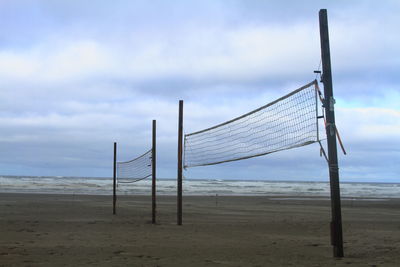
x: 136, y: 169
x: 288, y: 122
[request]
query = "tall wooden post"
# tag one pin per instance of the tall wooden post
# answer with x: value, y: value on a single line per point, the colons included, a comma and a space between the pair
x: 115, y: 178
x: 153, y: 165
x: 180, y: 141
x: 336, y: 223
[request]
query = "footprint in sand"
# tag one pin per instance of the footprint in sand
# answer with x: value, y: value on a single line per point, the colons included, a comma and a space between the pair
x: 118, y: 252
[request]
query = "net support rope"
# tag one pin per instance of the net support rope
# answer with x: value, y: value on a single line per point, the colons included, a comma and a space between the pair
x: 136, y: 169
x: 288, y: 122
x: 336, y: 130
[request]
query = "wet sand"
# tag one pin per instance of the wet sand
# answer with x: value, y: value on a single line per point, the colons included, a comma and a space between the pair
x: 79, y: 230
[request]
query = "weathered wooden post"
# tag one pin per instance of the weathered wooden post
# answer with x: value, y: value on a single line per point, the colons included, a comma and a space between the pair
x: 115, y: 178
x: 180, y: 141
x: 153, y: 165
x: 336, y: 223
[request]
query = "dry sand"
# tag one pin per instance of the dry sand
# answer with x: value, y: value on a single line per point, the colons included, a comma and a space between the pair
x: 67, y: 230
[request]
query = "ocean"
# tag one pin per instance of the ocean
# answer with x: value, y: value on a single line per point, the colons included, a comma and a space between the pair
x: 104, y: 186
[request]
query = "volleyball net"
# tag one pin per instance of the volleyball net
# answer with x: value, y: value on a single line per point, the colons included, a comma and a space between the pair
x: 136, y: 169
x: 288, y: 122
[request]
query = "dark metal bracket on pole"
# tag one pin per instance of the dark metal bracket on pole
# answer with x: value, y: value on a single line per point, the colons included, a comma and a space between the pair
x: 180, y: 153
x: 336, y: 223
x: 115, y: 178
x: 153, y: 178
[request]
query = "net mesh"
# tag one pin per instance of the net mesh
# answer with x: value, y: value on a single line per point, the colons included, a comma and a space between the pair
x: 288, y: 122
x: 135, y: 170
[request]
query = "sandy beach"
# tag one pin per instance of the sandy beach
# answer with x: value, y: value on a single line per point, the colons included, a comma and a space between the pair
x: 80, y: 230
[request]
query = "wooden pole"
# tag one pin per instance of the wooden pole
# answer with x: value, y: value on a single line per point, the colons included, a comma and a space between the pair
x: 180, y: 141
x: 153, y: 165
x: 336, y: 223
x: 115, y: 178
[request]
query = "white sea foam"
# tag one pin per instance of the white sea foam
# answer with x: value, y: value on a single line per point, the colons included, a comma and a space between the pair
x: 103, y: 186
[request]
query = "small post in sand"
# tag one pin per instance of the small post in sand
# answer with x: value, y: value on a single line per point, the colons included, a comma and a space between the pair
x: 115, y: 178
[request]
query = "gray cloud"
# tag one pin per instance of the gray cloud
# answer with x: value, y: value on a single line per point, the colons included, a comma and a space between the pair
x: 75, y: 77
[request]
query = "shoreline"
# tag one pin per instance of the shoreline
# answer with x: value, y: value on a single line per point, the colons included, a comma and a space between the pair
x: 271, y: 196
x: 80, y: 230
x: 206, y: 179
x: 89, y: 186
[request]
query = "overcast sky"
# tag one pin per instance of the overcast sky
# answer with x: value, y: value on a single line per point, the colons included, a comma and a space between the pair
x: 75, y: 76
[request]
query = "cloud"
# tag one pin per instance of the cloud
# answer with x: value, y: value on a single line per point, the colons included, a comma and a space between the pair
x: 216, y: 50
x: 370, y: 124
x: 82, y: 76
x: 54, y: 63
